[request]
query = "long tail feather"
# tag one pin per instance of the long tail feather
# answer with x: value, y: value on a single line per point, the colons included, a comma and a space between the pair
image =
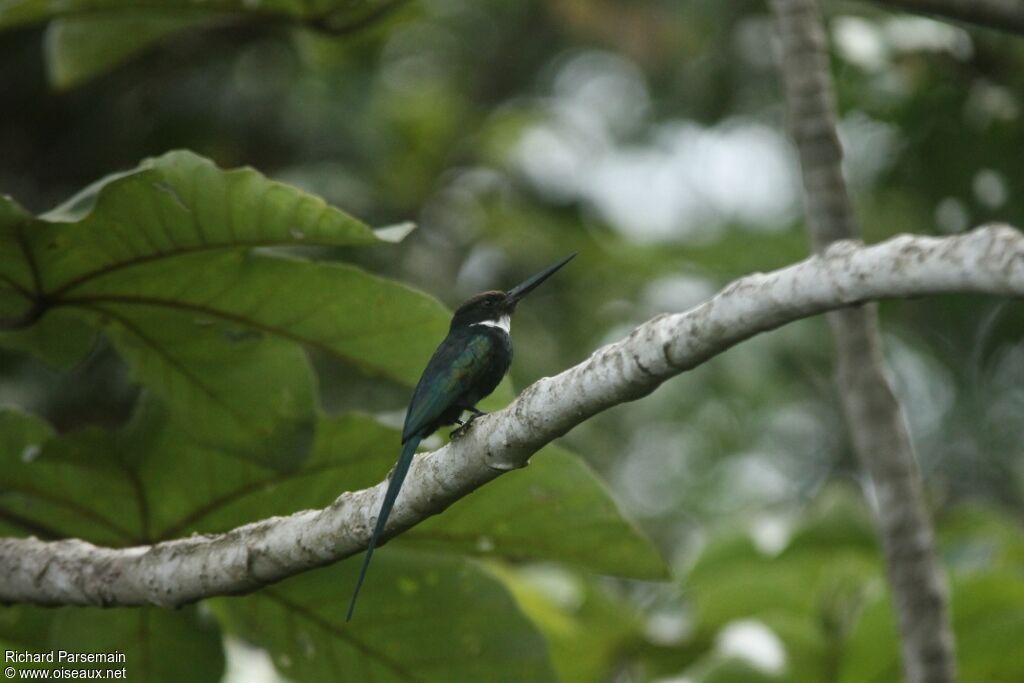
x: 397, y: 477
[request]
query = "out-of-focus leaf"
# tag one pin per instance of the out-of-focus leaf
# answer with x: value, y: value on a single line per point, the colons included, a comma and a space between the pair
x: 838, y: 519
x: 754, y: 585
x: 16, y: 277
x: 978, y: 538
x: 829, y: 559
x: 159, y: 645
x: 554, y: 509
x: 586, y: 630
x: 810, y: 594
x: 421, y: 617
x: 88, y: 37
x: 81, y: 47
x: 719, y: 669
x: 988, y: 619
x: 16, y: 12
x: 824, y: 594
x: 811, y: 652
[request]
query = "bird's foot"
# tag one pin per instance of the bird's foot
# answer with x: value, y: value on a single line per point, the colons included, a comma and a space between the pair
x: 461, y: 430
x: 464, y: 427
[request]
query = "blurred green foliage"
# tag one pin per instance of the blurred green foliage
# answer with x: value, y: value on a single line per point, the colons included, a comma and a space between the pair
x: 648, y: 136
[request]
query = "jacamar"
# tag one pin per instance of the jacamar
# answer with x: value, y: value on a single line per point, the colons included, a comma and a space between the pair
x: 464, y: 369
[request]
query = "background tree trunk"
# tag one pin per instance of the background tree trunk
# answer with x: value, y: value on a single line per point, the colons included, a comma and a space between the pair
x: 874, y: 416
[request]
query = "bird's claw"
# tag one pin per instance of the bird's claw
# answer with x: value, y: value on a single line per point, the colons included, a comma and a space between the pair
x: 461, y: 430
x: 464, y: 427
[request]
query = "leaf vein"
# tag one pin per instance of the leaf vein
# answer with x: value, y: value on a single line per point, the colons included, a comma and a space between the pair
x: 325, y: 625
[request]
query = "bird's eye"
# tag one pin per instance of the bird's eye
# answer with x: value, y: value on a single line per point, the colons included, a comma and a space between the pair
x: 488, y: 303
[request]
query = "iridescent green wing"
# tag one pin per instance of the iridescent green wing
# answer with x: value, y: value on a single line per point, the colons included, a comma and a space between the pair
x: 457, y: 364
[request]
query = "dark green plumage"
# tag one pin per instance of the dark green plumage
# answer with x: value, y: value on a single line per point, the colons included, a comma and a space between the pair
x: 464, y: 369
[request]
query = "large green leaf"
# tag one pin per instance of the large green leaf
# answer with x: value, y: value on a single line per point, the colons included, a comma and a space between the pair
x: 231, y: 492
x: 54, y: 492
x: 163, y: 259
x: 172, y: 205
x: 136, y: 485
x: 89, y: 492
x: 376, y: 325
x: 169, y: 206
x: 222, y: 351
x: 422, y: 617
x: 174, y: 235
x: 228, y: 387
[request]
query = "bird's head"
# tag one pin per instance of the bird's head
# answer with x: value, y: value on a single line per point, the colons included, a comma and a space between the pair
x: 497, y: 307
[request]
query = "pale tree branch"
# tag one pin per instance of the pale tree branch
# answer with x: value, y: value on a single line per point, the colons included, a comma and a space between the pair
x: 71, y: 572
x: 1003, y: 15
x: 875, y: 418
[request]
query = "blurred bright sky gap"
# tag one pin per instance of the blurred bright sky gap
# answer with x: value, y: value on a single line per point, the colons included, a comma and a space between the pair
x: 683, y: 182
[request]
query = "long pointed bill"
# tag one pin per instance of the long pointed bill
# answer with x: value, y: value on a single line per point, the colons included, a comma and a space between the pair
x: 519, y: 291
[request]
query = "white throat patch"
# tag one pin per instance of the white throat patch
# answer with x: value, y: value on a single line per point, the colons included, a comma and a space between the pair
x: 504, y: 323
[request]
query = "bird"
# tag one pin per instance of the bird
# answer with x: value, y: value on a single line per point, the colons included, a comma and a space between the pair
x: 465, y: 368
